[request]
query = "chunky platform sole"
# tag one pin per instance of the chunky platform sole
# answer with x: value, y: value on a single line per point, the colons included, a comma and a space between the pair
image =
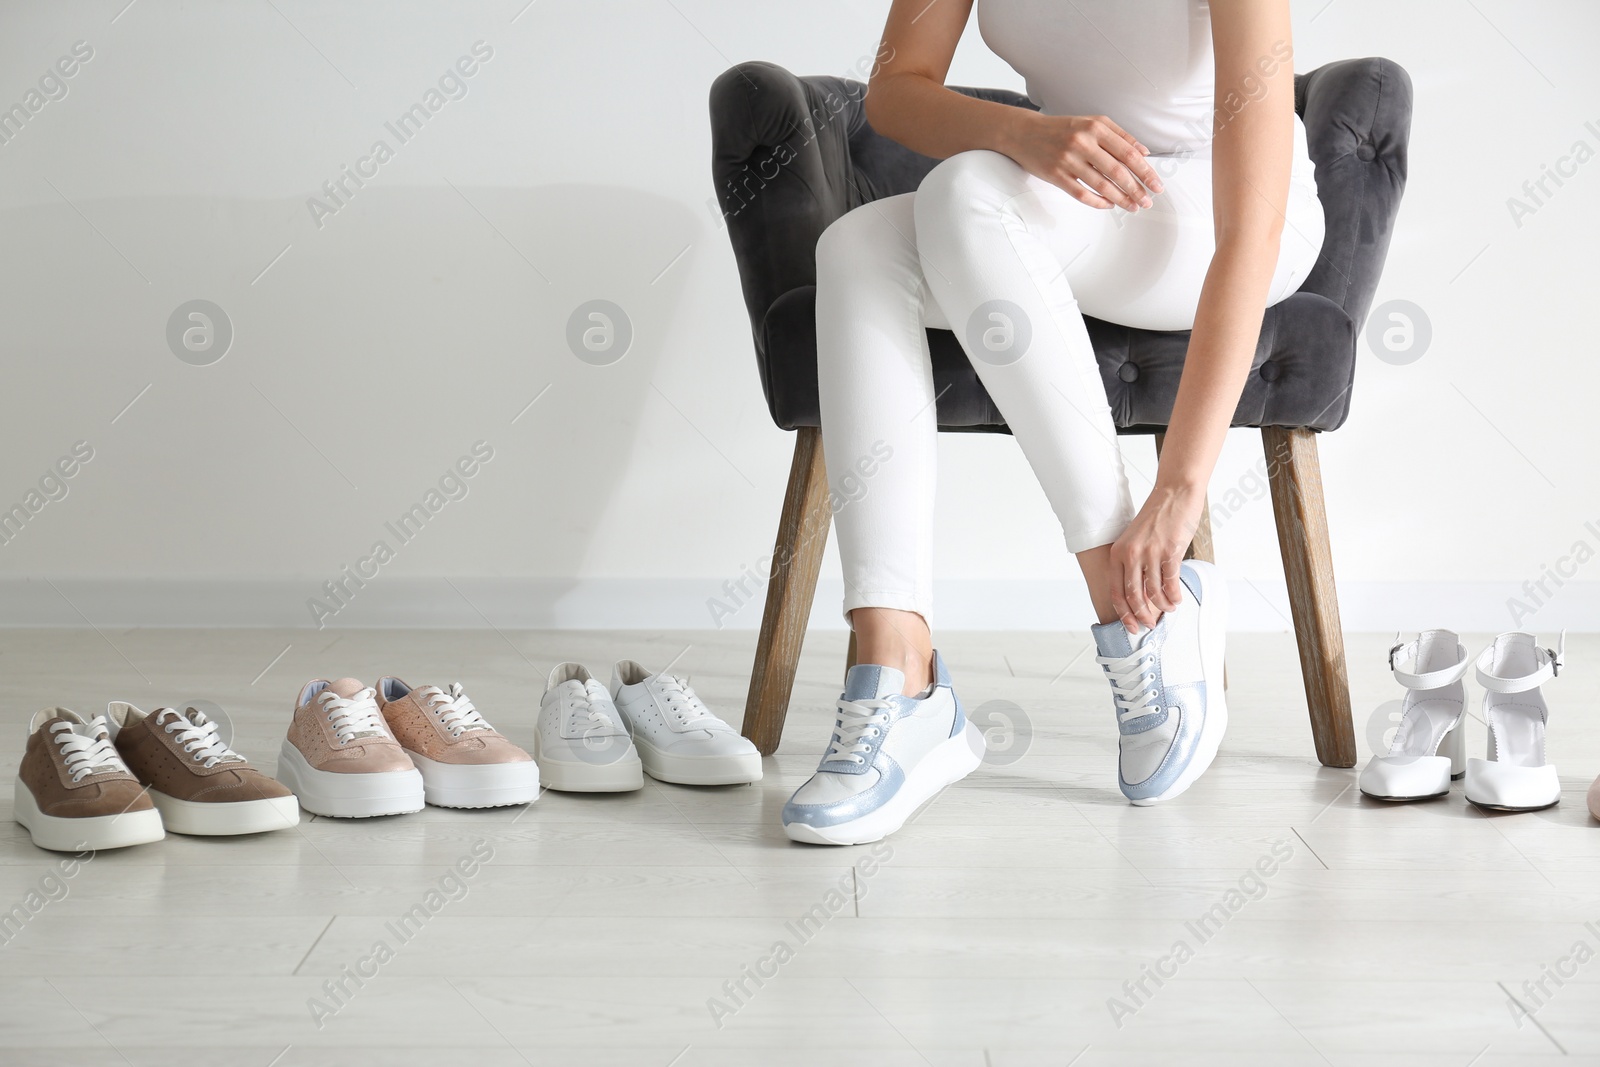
x: 225, y: 819
x: 742, y: 769
x: 578, y: 776
x: 349, y: 796
x: 477, y: 785
x: 1213, y: 648
x: 89, y: 834
x: 951, y: 761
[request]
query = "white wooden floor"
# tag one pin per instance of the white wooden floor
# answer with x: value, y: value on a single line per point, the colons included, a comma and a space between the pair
x: 996, y: 930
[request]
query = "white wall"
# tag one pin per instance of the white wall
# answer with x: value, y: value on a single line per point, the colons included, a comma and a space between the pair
x: 425, y: 314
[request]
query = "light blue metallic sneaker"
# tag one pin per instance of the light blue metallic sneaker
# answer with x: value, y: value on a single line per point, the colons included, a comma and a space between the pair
x: 889, y: 755
x: 1167, y: 683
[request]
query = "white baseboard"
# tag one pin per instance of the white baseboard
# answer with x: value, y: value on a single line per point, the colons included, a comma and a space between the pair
x: 699, y: 604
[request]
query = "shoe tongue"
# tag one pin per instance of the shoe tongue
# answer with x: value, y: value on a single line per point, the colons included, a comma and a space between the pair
x: 346, y: 687
x: 1114, y: 641
x: 72, y: 718
x: 869, y: 681
x: 92, y: 728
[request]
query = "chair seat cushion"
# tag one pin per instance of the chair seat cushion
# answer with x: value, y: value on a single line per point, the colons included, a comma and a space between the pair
x: 1302, y: 370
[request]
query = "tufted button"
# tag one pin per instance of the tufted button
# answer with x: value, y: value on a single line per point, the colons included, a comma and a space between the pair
x: 1269, y: 371
x: 1366, y: 152
x: 1128, y: 372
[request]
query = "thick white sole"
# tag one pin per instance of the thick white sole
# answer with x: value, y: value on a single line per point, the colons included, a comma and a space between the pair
x: 698, y: 770
x: 477, y: 785
x: 951, y: 761
x: 576, y: 776
x: 1213, y: 652
x: 90, y: 834
x: 349, y: 796
x: 225, y: 819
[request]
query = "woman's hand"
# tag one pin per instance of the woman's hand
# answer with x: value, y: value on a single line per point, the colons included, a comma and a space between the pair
x: 1146, y: 558
x: 1096, y: 161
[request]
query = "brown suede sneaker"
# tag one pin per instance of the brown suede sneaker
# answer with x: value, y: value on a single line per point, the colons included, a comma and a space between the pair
x: 465, y: 762
x: 199, y: 784
x: 340, y: 758
x: 74, y: 793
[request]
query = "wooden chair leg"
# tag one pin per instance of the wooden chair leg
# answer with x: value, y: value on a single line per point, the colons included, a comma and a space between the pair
x: 1296, y: 478
x: 796, y: 561
x: 1200, y: 546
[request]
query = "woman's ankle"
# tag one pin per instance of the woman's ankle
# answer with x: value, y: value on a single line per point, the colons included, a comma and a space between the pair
x: 918, y: 673
x: 1096, y: 566
x: 888, y: 637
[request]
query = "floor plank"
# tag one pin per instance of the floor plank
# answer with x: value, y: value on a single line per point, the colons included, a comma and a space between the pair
x: 1028, y: 917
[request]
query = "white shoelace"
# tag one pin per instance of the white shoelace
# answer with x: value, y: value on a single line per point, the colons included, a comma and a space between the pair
x: 858, y: 720
x: 587, y: 709
x: 1132, y: 683
x: 454, y: 709
x: 682, y: 701
x: 353, y: 717
x: 87, y: 754
x: 198, y: 736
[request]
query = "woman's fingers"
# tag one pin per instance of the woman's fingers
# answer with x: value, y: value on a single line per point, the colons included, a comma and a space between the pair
x: 1129, y: 597
x: 1082, y: 193
x: 1149, y: 586
x: 1138, y: 615
x: 1124, y: 587
x: 1110, y: 124
x: 1124, y: 146
x: 1084, y: 164
x: 1119, y: 597
x: 1156, y: 578
x: 1171, y: 585
x: 1134, y: 195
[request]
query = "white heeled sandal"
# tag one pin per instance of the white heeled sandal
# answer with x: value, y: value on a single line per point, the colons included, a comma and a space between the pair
x: 1428, y: 751
x: 1515, y: 776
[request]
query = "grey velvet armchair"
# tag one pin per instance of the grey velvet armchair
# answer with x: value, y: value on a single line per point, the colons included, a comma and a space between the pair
x: 792, y: 154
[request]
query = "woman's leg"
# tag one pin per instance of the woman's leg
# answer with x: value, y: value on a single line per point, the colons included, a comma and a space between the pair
x: 996, y: 253
x: 1012, y: 257
x: 899, y: 735
x: 1008, y: 256
x: 879, y: 430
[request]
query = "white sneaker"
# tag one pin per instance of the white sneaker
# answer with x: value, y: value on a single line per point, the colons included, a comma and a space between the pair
x: 678, y: 738
x: 1429, y: 748
x: 1516, y: 775
x: 889, y: 755
x: 580, y: 743
x: 1166, y: 684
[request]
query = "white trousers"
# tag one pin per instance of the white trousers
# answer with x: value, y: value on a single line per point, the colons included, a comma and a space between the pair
x: 1011, y: 263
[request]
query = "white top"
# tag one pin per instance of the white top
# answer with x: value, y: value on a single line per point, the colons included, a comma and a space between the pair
x: 1145, y: 64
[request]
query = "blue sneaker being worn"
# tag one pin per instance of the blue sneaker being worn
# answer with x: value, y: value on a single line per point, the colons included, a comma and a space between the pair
x: 1167, y: 681
x: 889, y: 755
